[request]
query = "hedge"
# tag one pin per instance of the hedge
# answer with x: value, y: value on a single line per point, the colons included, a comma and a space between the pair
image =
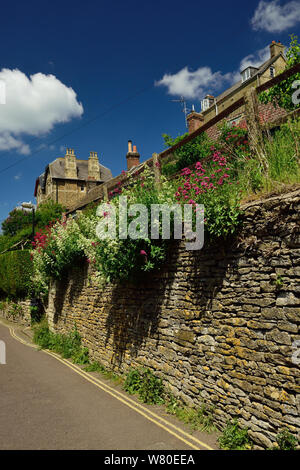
x: 15, y: 274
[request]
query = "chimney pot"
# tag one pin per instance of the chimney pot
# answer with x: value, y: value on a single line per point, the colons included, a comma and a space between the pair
x: 194, y: 121
x: 133, y: 157
x: 276, y: 48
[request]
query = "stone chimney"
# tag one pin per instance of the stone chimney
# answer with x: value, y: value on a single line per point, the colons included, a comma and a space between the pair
x: 276, y: 48
x: 93, y: 167
x: 133, y: 157
x: 70, y: 164
x: 194, y: 121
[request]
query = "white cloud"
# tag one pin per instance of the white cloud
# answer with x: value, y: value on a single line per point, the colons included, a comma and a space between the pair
x: 33, y: 106
x: 256, y: 59
x: 9, y: 142
x: 274, y: 18
x: 18, y: 176
x: 194, y: 84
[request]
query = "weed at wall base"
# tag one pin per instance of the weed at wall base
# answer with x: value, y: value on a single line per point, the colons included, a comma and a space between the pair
x: 69, y: 346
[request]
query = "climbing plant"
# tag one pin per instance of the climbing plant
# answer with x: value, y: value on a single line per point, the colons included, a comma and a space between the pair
x: 282, y: 93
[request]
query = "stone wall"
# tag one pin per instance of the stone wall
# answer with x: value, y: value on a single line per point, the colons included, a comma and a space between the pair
x: 219, y: 325
x: 16, y: 311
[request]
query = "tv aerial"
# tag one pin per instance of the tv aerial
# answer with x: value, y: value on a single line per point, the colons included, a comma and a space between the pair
x: 185, y: 110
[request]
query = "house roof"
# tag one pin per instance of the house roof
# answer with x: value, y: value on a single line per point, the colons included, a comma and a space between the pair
x: 260, y: 71
x: 57, y: 171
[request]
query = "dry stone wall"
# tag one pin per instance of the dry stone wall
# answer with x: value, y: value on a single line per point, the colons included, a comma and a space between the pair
x: 16, y: 311
x: 220, y: 325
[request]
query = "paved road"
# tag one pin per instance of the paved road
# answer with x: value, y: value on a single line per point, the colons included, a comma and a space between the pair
x: 44, y: 404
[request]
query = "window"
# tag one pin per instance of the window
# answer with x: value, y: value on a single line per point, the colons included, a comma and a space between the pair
x: 204, y: 104
x: 272, y: 72
x: 207, y: 102
x: 246, y: 75
x: 81, y: 188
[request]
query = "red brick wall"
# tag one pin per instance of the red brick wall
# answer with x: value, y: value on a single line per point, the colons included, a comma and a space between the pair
x: 267, y: 114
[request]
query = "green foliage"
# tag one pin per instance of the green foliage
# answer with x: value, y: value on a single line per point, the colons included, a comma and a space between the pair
x: 281, y: 93
x: 122, y: 259
x: 18, y: 226
x: 35, y: 314
x: 189, y: 153
x: 16, y: 221
x: 98, y: 367
x: 133, y: 381
x: 69, y: 346
x: 48, y: 213
x: 282, y: 156
x: 286, y: 441
x: 233, y: 144
x: 15, y: 273
x: 234, y: 437
x: 144, y: 383
x: 56, y: 249
x: 19, y: 219
x: 151, y: 389
x: 222, y: 212
x: 200, y: 418
x: 283, y: 151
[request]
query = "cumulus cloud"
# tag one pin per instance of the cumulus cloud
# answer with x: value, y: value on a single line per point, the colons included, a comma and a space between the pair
x: 256, y: 59
x: 194, y: 84
x: 34, y: 105
x: 274, y: 18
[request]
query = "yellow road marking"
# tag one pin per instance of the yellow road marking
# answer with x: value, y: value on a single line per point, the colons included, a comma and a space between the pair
x: 119, y: 396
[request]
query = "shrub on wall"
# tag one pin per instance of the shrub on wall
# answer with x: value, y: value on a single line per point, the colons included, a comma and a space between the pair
x: 281, y: 94
x: 15, y: 273
x: 189, y: 153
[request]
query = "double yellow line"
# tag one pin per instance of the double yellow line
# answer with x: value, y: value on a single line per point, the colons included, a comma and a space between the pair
x: 175, y: 431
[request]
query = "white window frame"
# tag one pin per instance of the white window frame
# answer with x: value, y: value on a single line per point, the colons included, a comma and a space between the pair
x: 272, y: 72
x: 205, y: 104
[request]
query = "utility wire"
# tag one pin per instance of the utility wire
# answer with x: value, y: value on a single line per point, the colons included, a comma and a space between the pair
x: 84, y: 124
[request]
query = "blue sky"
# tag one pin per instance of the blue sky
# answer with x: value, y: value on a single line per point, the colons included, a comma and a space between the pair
x: 91, y: 75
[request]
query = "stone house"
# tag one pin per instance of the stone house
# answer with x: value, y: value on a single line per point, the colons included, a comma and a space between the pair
x: 250, y: 77
x: 68, y: 179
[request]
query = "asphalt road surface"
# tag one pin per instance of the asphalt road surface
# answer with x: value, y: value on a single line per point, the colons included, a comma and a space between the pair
x: 46, y: 404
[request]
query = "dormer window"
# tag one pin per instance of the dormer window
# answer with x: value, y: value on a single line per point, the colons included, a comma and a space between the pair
x: 248, y: 73
x: 207, y: 102
x: 272, y: 72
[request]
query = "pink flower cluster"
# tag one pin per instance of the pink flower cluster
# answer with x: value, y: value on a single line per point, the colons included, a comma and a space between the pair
x: 115, y: 191
x: 198, y: 182
x: 41, y: 239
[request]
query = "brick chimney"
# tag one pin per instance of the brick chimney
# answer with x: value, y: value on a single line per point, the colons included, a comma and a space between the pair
x: 70, y: 164
x: 93, y: 167
x: 132, y: 156
x: 276, y: 48
x: 194, y: 121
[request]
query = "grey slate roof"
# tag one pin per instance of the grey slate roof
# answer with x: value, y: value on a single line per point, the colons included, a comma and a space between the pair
x: 57, y: 170
x: 260, y: 71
